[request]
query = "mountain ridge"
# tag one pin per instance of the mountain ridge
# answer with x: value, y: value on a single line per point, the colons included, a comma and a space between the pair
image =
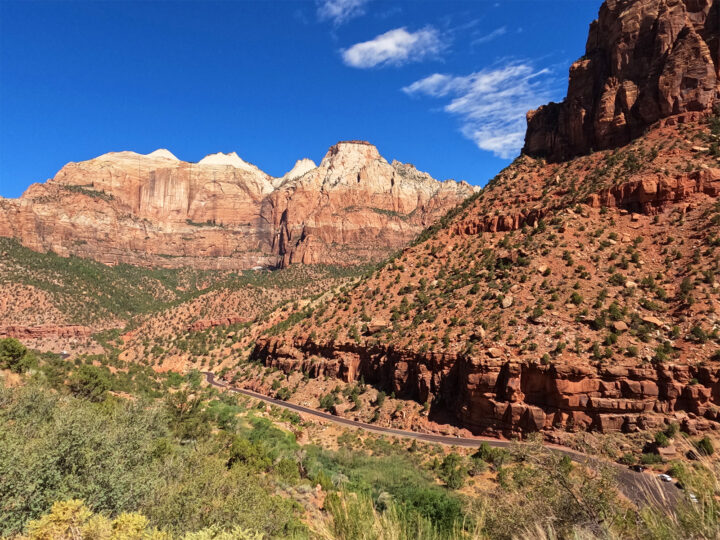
x: 223, y: 212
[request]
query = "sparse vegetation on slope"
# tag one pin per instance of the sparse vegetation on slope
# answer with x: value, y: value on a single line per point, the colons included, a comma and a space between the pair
x: 599, y: 270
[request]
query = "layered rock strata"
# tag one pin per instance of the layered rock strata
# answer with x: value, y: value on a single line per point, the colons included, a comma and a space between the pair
x: 649, y: 195
x: 492, y: 393
x: 45, y: 331
x: 223, y: 212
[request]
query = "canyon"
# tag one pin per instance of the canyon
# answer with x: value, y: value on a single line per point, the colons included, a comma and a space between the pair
x: 576, y: 291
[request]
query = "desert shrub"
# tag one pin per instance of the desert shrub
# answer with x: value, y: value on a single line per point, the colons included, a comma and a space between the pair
x: 122, y: 457
x: 661, y: 439
x: 15, y: 356
x: 453, y: 471
x: 705, y: 446
x: 90, y: 382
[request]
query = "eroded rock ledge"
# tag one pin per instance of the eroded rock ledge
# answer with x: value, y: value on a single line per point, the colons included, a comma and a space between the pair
x: 648, y: 195
x: 44, y: 331
x: 644, y: 61
x: 493, y: 394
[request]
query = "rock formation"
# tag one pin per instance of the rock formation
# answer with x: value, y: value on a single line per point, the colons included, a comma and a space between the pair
x: 644, y: 60
x: 493, y: 393
x: 44, y: 331
x: 223, y: 212
x: 578, y: 292
x: 382, y: 205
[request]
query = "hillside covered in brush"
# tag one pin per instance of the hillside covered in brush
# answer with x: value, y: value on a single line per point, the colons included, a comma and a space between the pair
x: 578, y: 289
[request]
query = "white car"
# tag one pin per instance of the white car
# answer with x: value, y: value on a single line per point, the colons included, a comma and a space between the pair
x: 692, y: 497
x: 665, y: 477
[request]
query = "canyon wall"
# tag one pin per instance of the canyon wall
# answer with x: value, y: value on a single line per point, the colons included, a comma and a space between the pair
x: 492, y: 393
x: 222, y: 212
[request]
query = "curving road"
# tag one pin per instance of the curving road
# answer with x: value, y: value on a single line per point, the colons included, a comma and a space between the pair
x: 638, y: 487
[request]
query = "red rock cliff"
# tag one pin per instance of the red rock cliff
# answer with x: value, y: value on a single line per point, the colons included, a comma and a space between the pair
x: 645, y: 60
x: 494, y: 393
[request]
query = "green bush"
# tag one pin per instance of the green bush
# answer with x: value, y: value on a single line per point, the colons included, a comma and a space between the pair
x: 705, y: 446
x: 661, y: 439
x: 15, y: 356
x: 380, y: 399
x: 90, y: 382
x: 121, y: 456
x: 650, y: 459
x: 453, y: 471
x: 253, y: 455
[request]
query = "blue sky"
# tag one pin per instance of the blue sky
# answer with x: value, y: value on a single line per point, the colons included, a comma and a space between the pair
x: 440, y: 84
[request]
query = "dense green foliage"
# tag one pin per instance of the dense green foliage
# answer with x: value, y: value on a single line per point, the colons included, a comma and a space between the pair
x: 15, y: 356
x: 183, y: 456
x: 121, y: 456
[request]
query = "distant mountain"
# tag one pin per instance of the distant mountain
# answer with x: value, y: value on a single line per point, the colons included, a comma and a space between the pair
x: 222, y: 212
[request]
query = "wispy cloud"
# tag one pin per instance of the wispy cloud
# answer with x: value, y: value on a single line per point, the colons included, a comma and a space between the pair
x: 340, y: 11
x: 395, y: 47
x: 490, y: 103
x: 489, y: 37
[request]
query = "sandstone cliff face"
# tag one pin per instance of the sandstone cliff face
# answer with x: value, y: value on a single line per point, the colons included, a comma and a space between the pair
x: 225, y: 213
x: 645, y: 60
x: 383, y: 206
x: 494, y: 393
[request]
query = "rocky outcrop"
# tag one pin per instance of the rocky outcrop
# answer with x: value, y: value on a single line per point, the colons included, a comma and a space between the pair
x: 648, y: 195
x: 500, y: 222
x: 223, y: 212
x: 645, y: 60
x: 45, y: 331
x: 491, y: 393
x: 651, y: 194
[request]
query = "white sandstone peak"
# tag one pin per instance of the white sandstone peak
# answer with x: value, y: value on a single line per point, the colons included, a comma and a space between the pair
x: 351, y: 155
x: 163, y: 153
x: 231, y: 159
x: 301, y: 167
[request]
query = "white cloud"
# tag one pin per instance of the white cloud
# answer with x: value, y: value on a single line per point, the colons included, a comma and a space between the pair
x: 436, y: 85
x: 489, y: 37
x: 490, y: 103
x: 340, y: 11
x: 395, y: 47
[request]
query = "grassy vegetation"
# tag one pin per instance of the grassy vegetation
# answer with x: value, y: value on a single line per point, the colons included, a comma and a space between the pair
x: 88, y: 291
x: 178, y: 460
x: 183, y: 457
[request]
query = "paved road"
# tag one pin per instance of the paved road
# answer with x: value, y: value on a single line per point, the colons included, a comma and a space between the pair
x: 638, y: 487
